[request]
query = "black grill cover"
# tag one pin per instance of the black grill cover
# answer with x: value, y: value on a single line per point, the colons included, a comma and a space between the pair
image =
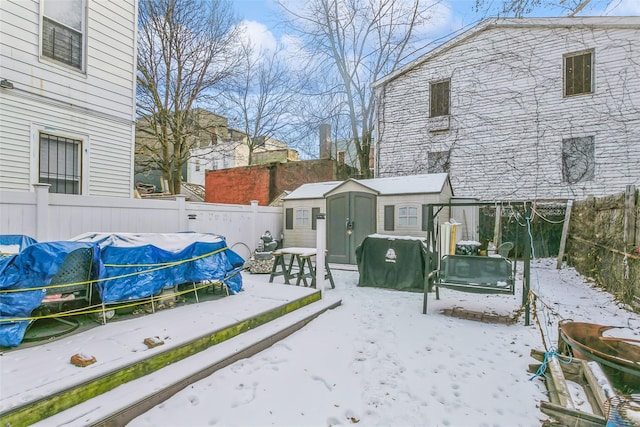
x: 394, y: 262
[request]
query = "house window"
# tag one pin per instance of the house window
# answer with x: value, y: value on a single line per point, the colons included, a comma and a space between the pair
x: 439, y: 92
x: 578, y: 159
x: 59, y: 163
x: 302, y: 217
x: 63, y: 27
x: 408, y: 217
x: 197, y: 165
x: 438, y: 162
x: 578, y: 73
x: 341, y: 157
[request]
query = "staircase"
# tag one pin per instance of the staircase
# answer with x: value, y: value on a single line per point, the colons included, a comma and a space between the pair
x: 41, y: 386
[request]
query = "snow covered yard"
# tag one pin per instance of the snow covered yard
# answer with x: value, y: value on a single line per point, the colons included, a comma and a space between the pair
x: 377, y: 360
x: 374, y: 360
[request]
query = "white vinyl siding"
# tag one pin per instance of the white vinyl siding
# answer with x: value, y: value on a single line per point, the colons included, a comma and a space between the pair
x: 509, y: 113
x: 99, y: 103
x: 301, y: 236
x: 415, y: 201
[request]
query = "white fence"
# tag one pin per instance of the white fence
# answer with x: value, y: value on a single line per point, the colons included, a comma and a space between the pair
x: 52, y: 217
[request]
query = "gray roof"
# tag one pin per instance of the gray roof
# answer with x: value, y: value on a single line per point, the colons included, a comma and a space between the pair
x: 312, y: 191
x: 411, y: 184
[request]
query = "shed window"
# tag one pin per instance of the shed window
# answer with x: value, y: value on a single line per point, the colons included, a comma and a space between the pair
x: 63, y: 28
x: 302, y: 217
x: 439, y: 97
x: 408, y: 216
x: 578, y: 159
x: 578, y: 73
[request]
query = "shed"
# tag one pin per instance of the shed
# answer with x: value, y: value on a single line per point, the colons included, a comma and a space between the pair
x: 356, y: 208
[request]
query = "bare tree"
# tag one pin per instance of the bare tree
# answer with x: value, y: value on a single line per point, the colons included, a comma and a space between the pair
x: 185, y: 48
x: 520, y: 8
x: 361, y: 41
x: 260, y: 97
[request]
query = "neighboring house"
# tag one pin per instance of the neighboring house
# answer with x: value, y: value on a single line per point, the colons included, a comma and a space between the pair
x: 215, y: 146
x: 67, y: 96
x: 356, y: 208
x: 519, y: 109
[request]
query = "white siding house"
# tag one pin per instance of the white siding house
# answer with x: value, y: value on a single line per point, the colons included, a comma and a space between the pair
x: 519, y: 109
x: 67, y: 98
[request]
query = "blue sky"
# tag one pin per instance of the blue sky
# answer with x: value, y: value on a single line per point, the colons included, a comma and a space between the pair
x: 455, y: 15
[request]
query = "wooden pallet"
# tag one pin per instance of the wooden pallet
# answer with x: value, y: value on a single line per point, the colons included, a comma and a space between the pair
x: 589, y: 375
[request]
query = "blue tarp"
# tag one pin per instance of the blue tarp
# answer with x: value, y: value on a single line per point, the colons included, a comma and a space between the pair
x: 126, y: 267
x: 141, y: 265
x: 33, y: 267
x: 11, y: 244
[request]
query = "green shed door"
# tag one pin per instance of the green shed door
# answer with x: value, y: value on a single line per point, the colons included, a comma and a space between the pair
x: 350, y: 218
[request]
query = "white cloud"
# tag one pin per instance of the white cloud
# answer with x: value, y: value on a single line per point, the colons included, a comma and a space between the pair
x: 259, y: 35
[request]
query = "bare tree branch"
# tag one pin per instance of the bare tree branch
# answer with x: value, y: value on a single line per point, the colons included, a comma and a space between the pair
x: 185, y: 48
x: 358, y: 42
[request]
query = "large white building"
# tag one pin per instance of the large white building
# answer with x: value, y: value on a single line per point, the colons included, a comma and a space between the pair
x: 519, y: 109
x: 67, y: 98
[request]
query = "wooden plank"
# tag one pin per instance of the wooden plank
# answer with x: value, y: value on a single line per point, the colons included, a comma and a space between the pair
x: 598, y: 384
x: 630, y: 215
x: 589, y: 375
x: 565, y: 231
x: 43, y: 408
x: 571, y: 417
x: 560, y: 388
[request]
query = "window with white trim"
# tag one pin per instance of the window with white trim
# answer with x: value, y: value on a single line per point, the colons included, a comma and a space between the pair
x: 60, y: 163
x: 408, y: 216
x: 63, y: 31
x: 578, y: 73
x: 439, y: 98
x: 302, y: 217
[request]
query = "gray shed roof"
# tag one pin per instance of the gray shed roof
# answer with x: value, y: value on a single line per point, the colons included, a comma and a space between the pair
x: 412, y: 184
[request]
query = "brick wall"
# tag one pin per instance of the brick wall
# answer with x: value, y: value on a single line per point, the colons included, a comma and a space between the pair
x: 265, y: 182
x: 238, y: 185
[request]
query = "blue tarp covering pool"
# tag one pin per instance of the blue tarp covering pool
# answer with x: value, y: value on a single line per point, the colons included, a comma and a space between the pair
x: 14, y: 243
x: 126, y: 266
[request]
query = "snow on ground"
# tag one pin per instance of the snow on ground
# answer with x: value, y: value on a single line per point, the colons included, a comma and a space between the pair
x: 377, y: 360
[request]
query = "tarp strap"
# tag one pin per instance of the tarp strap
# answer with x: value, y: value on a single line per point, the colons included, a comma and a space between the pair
x: 135, y: 273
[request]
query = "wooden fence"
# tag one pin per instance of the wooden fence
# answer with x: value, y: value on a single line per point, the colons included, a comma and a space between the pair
x: 603, y: 243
